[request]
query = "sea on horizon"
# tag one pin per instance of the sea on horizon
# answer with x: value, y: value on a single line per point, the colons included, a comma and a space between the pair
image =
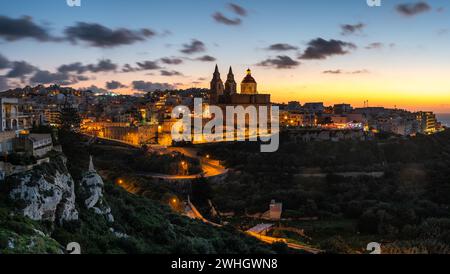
x: 444, y: 118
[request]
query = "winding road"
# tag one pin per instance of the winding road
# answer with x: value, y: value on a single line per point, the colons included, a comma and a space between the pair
x: 210, y: 168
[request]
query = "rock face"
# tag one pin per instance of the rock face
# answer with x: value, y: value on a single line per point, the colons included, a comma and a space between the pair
x: 45, y: 193
x: 92, y: 189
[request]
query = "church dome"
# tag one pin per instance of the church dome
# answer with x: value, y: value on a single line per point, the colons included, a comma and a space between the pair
x: 248, y: 78
x: 249, y: 85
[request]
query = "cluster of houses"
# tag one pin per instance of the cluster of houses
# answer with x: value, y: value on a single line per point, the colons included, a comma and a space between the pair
x: 314, y: 121
x: 16, y: 139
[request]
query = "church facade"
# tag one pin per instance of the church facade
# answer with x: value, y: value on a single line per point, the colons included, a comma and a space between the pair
x: 226, y: 94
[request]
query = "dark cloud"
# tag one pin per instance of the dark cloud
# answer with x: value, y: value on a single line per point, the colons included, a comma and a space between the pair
x: 74, y: 67
x: 375, y: 45
x: 150, y: 86
x: 4, y: 84
x: 81, y: 78
x: 280, y: 62
x: 339, y: 71
x: 96, y: 90
x: 413, y: 8
x: 237, y: 9
x: 194, y: 47
x: 97, y: 35
x: 336, y: 71
x: 61, y: 77
x: 206, y: 58
x: 47, y: 77
x: 4, y: 62
x: 15, y: 29
x: 281, y: 47
x: 141, y: 66
x: 148, y: 65
x: 351, y: 29
x: 321, y: 49
x: 171, y: 61
x: 114, y: 85
x: 102, y: 66
x: 222, y: 19
x: 20, y: 69
x: 128, y: 68
x: 170, y: 73
x: 362, y: 71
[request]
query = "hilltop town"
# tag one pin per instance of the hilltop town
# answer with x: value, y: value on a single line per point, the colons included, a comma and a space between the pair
x: 147, y: 119
x: 49, y: 135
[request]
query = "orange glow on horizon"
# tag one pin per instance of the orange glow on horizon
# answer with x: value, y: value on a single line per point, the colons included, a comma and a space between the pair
x: 407, y: 89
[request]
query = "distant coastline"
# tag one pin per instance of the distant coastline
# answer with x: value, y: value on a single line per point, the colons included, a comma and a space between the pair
x: 444, y: 118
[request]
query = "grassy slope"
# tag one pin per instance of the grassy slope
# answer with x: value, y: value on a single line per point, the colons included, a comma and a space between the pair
x: 150, y: 226
x: 410, y: 203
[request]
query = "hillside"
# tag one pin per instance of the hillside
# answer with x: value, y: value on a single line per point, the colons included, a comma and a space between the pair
x: 139, y: 225
x: 407, y: 205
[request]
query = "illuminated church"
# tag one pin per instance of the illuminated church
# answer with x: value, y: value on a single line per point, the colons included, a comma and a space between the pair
x: 221, y: 94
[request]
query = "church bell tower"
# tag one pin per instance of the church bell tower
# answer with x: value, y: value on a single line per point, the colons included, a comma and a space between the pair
x: 230, y: 84
x: 217, y: 87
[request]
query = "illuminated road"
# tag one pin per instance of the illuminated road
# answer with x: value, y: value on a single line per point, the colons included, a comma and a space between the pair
x: 192, y: 212
x: 210, y: 168
x: 272, y: 240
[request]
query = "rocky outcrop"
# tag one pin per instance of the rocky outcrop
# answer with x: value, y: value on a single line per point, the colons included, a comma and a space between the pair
x: 92, y: 193
x: 45, y: 192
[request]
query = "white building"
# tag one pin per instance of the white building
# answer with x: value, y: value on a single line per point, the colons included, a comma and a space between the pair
x: 9, y: 114
x: 13, y: 119
x: 275, y: 210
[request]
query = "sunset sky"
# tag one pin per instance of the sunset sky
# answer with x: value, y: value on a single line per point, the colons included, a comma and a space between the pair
x: 322, y: 50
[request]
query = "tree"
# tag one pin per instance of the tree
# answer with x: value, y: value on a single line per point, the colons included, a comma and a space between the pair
x: 70, y: 119
x: 336, y: 245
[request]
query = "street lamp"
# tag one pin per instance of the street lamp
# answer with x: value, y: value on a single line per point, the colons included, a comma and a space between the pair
x: 184, y: 167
